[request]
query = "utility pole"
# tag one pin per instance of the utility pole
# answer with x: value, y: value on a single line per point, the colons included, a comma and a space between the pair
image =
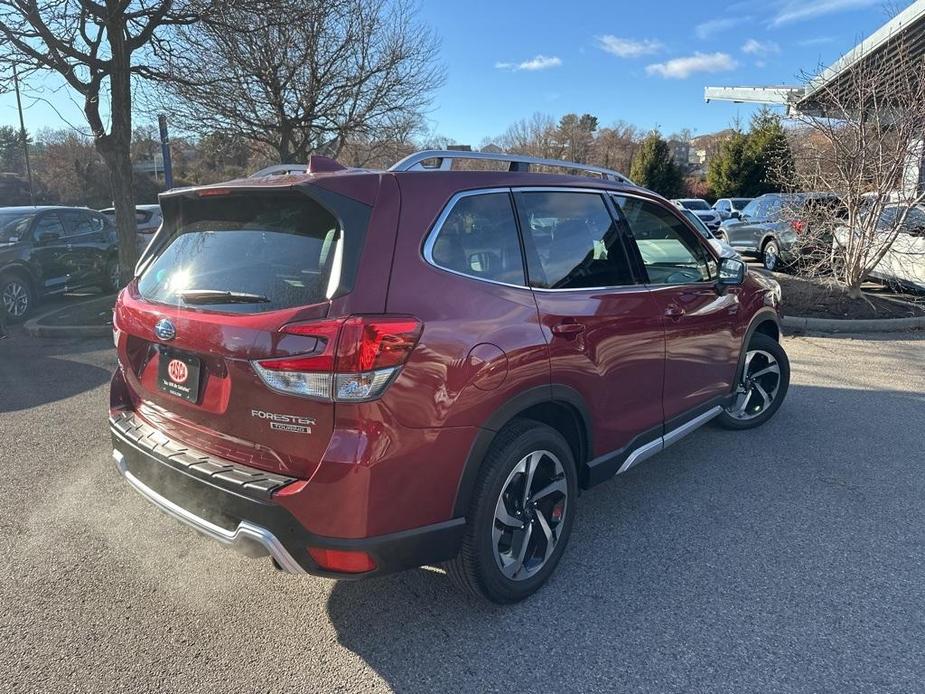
x: 22, y: 134
x: 165, y: 151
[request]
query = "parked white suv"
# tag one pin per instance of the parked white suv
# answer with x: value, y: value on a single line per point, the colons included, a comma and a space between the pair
x: 147, y: 220
x: 702, y: 209
x: 730, y: 207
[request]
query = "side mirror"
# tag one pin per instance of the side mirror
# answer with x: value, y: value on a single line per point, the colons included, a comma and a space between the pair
x: 731, y: 272
x: 48, y: 236
x: 735, y: 214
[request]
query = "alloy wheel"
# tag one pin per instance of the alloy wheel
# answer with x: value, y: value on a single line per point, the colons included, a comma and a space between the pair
x: 771, y: 256
x: 15, y: 298
x: 758, y: 387
x: 530, y: 515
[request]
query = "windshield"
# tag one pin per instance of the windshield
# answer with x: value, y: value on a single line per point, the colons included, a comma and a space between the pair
x: 695, y: 204
x: 740, y: 203
x: 751, y: 209
x: 13, y: 227
x: 246, y: 254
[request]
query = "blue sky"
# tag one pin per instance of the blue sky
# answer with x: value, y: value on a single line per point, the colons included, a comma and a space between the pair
x: 643, y: 62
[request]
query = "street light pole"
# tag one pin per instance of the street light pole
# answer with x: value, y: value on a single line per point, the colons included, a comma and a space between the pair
x: 22, y: 134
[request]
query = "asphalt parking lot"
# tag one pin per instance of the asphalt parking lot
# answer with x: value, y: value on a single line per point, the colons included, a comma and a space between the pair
x: 787, y: 559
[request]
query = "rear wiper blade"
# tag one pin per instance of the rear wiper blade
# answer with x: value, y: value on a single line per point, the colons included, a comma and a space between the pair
x: 217, y: 296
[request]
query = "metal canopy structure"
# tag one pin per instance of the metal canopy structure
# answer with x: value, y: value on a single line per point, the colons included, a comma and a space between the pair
x: 904, y: 33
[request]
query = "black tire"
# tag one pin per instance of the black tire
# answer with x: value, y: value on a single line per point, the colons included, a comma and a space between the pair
x: 476, y: 569
x: 770, y: 256
x: 110, y: 282
x: 760, y: 343
x: 17, y: 297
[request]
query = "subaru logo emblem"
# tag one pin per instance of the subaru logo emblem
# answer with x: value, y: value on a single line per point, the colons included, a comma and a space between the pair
x: 164, y: 330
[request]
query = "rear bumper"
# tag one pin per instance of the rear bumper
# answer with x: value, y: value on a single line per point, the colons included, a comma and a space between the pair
x: 234, y: 505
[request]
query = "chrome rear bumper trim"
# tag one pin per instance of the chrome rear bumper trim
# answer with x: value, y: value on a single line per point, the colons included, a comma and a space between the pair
x: 245, y: 532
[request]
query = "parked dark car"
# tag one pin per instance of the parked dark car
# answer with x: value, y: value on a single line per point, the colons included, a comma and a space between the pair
x: 777, y: 227
x: 50, y: 250
x: 357, y: 372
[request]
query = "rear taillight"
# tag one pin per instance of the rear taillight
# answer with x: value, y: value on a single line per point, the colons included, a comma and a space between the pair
x: 355, y: 360
x: 799, y: 226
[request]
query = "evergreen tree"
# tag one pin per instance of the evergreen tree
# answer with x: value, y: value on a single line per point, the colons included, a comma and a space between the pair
x: 732, y: 170
x: 654, y: 169
x: 749, y: 165
x: 11, y: 156
x: 770, y: 153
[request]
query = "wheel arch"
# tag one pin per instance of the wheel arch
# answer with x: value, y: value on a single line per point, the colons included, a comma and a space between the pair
x: 766, y: 322
x: 558, y: 406
x: 22, y: 271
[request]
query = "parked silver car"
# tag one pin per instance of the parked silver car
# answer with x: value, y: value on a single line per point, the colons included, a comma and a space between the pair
x: 773, y: 225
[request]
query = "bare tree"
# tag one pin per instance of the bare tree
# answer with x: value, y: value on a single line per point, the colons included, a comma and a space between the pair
x: 97, y: 47
x: 855, y: 141
x: 535, y: 137
x: 303, y: 76
x: 615, y: 146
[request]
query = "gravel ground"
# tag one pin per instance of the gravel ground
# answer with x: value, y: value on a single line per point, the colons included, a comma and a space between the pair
x: 791, y: 558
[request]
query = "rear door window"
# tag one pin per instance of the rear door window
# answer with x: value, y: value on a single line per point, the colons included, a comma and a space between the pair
x: 81, y: 223
x: 49, y: 228
x: 247, y: 253
x: 479, y: 238
x: 572, y: 241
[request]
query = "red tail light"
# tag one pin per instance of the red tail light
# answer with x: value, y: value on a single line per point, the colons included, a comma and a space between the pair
x: 798, y: 226
x: 355, y: 358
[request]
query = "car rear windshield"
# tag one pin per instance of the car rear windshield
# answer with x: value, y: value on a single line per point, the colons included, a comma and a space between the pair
x: 247, y: 254
x: 740, y: 203
x: 695, y: 204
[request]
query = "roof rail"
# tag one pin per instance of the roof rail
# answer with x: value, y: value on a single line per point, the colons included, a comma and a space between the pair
x: 517, y: 162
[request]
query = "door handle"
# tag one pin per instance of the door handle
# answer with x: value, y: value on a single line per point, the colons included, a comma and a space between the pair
x: 674, y: 311
x: 568, y: 329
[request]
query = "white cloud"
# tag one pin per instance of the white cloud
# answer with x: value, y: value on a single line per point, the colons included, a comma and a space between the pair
x: 628, y: 48
x: 711, y: 27
x: 756, y: 47
x: 681, y: 68
x: 818, y: 41
x: 540, y: 62
x: 801, y: 10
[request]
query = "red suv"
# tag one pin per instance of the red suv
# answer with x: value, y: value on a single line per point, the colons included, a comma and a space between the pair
x: 356, y: 372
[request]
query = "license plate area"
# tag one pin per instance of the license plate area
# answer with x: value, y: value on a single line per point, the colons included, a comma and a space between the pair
x: 178, y: 374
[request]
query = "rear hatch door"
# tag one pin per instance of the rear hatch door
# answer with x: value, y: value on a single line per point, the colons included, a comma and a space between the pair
x: 229, y: 271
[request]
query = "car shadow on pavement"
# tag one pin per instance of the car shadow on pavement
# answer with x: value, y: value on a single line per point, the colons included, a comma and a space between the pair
x: 32, y: 373
x: 784, y: 558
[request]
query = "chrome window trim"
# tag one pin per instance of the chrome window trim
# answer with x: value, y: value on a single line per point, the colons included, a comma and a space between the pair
x: 435, y: 230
